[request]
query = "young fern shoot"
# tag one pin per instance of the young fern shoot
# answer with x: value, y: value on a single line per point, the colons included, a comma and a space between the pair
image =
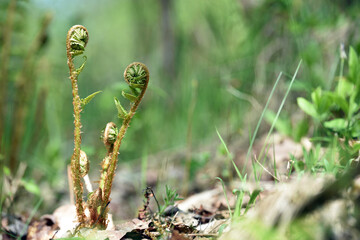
x: 137, y: 77
x: 76, y: 41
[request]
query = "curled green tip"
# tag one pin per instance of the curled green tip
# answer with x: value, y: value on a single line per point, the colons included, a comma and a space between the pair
x: 110, y: 133
x: 77, y: 39
x: 136, y: 74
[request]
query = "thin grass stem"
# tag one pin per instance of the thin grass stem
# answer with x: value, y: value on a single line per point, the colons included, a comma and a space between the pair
x: 259, y: 122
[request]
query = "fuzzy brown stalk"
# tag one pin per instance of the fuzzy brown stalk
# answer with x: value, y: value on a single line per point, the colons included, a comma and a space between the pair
x: 114, y: 155
x: 75, y: 159
x: 94, y: 202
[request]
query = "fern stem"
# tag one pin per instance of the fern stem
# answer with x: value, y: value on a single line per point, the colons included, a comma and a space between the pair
x: 117, y: 144
x: 75, y: 159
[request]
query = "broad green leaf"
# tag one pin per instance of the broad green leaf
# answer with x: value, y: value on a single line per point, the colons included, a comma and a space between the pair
x: 338, y: 124
x: 321, y: 102
x: 339, y: 102
x: 316, y: 97
x: 121, y: 111
x: 86, y: 100
x: 323, y: 106
x: 307, y: 107
x: 355, y: 132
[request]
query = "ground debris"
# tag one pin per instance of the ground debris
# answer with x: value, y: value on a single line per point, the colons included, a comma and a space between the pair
x: 319, y: 206
x: 143, y: 212
x: 134, y: 235
x: 43, y: 229
x: 13, y: 227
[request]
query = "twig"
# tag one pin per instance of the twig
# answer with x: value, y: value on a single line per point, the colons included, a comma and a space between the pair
x: 266, y: 169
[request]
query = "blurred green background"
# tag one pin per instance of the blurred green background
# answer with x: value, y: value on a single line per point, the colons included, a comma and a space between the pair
x: 209, y: 61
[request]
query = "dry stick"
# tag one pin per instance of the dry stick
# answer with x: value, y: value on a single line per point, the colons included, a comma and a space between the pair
x: 120, y: 136
x: 75, y: 159
x: 265, y: 169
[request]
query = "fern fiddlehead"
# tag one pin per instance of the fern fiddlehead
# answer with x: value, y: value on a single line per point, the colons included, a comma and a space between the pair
x: 76, y: 42
x: 137, y: 77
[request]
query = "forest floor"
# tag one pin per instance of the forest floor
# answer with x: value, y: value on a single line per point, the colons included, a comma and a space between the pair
x: 280, y: 204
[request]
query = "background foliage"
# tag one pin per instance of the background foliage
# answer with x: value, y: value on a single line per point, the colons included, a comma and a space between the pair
x: 211, y: 62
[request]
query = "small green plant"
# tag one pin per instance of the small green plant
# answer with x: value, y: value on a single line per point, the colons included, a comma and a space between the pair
x: 171, y: 196
x: 312, y: 161
x: 336, y: 113
x: 137, y: 77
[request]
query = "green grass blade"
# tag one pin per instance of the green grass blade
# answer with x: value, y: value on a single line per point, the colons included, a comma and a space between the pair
x: 227, y: 200
x: 239, y: 201
x: 259, y: 122
x: 229, y: 155
x: 279, y: 110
